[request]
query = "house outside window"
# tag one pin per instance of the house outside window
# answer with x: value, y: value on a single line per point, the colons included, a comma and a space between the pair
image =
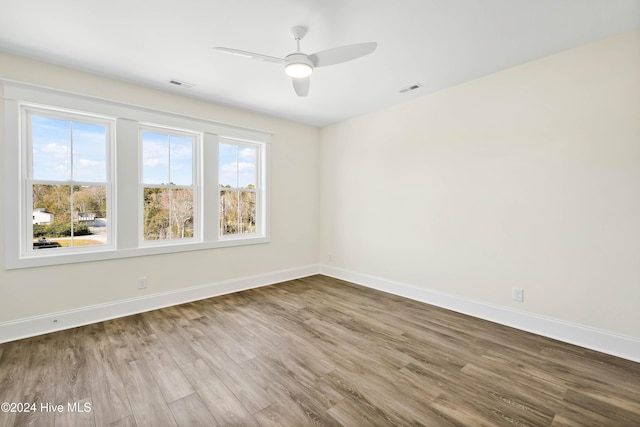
x: 41, y: 216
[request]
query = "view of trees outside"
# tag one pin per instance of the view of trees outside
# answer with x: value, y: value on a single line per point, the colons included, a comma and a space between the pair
x: 68, y: 181
x: 237, y: 212
x: 167, y: 174
x: 238, y: 179
x: 67, y: 214
x: 168, y: 213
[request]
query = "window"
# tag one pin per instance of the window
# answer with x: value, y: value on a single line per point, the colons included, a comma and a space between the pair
x: 68, y: 182
x: 168, y: 191
x: 238, y: 180
x: 94, y: 179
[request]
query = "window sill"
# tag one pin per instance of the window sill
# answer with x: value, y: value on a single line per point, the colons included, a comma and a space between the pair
x: 110, y: 253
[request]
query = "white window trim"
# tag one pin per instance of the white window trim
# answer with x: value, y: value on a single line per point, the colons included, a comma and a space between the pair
x: 128, y: 120
x: 26, y: 111
x: 260, y: 179
x: 197, y: 170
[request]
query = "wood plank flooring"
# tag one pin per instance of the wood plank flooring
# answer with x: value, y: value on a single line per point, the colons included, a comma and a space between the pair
x: 314, y: 351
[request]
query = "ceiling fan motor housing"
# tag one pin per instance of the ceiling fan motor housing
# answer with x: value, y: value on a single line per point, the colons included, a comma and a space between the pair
x: 298, y: 65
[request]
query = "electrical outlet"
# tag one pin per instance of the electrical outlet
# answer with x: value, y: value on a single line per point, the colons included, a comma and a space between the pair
x: 142, y: 282
x: 518, y: 294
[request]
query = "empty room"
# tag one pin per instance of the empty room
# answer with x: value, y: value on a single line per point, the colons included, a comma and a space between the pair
x: 335, y: 213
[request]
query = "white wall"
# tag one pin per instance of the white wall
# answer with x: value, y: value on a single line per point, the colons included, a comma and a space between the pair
x: 294, y: 206
x: 526, y: 178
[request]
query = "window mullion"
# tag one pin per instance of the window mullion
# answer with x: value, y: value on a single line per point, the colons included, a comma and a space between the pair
x: 239, y: 213
x: 71, y: 174
x: 71, y: 207
x: 71, y: 165
x: 127, y: 159
x: 168, y: 159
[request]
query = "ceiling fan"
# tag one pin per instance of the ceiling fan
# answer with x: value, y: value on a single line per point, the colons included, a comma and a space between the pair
x: 299, y: 65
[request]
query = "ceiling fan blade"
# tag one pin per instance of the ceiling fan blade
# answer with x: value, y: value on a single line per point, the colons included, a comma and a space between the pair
x: 301, y: 85
x: 342, y: 54
x: 250, y: 55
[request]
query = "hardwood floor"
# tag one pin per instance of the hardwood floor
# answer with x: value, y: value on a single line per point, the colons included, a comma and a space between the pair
x: 313, y: 351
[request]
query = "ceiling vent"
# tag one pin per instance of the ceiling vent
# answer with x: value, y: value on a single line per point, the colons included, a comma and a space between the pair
x: 180, y: 83
x: 410, y: 88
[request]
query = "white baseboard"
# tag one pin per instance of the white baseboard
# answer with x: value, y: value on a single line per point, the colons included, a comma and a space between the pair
x: 583, y: 336
x: 32, y: 326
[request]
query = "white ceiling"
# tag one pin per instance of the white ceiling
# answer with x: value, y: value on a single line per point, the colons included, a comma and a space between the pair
x: 437, y: 43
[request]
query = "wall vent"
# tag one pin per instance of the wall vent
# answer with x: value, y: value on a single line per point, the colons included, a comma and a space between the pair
x: 180, y: 83
x: 410, y: 88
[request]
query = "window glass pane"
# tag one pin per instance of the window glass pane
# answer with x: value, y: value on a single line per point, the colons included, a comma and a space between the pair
x: 89, y: 152
x: 181, y: 155
x: 181, y: 213
x: 51, y: 148
x: 155, y: 158
x: 228, y: 212
x: 168, y: 213
x: 228, y: 165
x: 56, y: 225
x: 247, y: 167
x: 237, y: 170
x: 51, y: 216
x: 89, y: 215
x: 247, y: 212
x: 156, y: 213
x: 237, y: 212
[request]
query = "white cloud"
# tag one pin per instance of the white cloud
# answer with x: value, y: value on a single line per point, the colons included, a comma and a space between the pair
x: 181, y: 152
x: 86, y: 163
x: 238, y: 174
x: 246, y: 166
x: 153, y: 162
x: 154, y: 154
x: 56, y: 149
x: 247, y: 154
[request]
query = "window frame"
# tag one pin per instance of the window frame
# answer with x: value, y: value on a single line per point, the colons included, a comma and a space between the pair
x: 196, y: 187
x: 27, y: 111
x: 258, y: 189
x: 125, y: 163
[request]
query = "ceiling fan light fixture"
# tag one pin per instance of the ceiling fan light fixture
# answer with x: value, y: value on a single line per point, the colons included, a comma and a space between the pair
x: 298, y: 70
x: 298, y: 65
